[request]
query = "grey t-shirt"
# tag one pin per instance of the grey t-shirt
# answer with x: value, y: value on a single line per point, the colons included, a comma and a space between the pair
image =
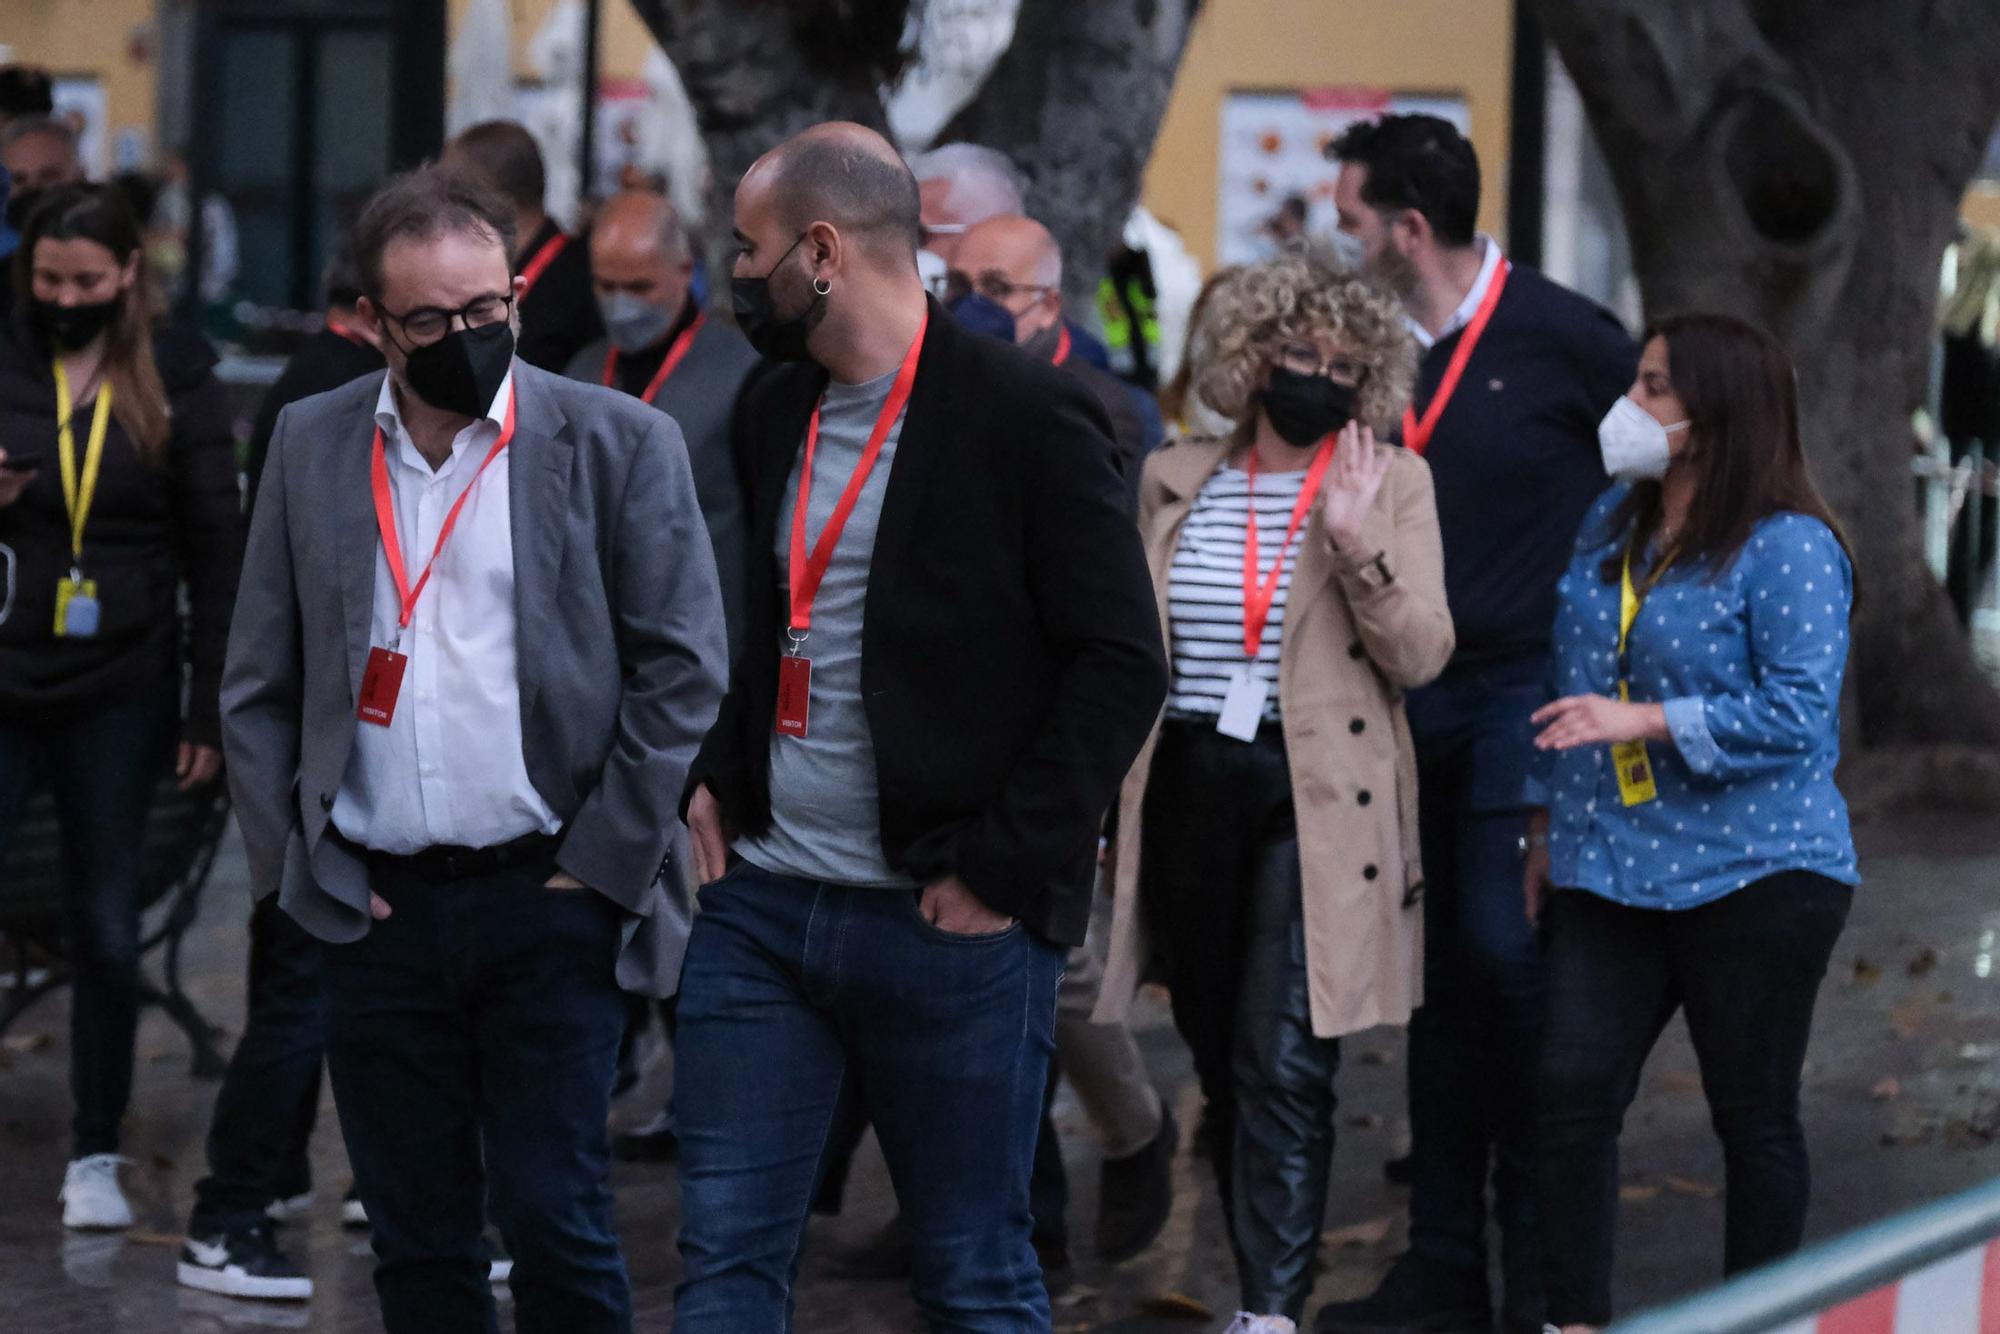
x: 825, y: 817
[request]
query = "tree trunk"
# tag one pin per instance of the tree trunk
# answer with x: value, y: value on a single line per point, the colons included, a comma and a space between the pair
x: 1076, y: 102
x: 1800, y: 163
x: 760, y: 71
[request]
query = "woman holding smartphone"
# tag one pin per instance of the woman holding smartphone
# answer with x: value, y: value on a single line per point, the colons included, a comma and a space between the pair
x: 1694, y: 852
x: 117, y: 488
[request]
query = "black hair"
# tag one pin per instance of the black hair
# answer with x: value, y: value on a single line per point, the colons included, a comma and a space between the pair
x: 422, y: 204
x: 1420, y: 163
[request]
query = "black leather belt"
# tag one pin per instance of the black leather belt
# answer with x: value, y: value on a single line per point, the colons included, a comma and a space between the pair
x: 446, y: 862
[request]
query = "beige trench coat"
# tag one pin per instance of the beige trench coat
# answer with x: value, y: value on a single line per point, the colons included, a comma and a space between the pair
x: 1356, y: 636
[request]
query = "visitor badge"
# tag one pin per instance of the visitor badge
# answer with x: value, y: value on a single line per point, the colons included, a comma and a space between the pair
x: 381, y: 683
x: 1243, y: 706
x: 1635, y: 772
x: 795, y: 676
x: 78, y: 613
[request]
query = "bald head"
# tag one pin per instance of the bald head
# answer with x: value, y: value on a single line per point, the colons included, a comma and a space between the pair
x: 1014, y: 262
x: 641, y: 267
x: 635, y: 222
x: 845, y: 175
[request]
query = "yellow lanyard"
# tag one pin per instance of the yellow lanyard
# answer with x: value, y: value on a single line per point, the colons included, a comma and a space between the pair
x: 78, y: 498
x: 1633, y: 767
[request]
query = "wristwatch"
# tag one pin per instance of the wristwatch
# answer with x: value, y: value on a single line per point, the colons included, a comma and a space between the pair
x: 1527, y: 843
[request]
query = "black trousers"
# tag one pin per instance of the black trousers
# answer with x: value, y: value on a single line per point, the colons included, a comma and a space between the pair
x: 1746, y: 969
x: 1221, y: 890
x: 263, y: 1122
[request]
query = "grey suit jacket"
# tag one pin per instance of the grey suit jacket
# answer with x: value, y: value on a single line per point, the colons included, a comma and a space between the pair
x: 621, y: 650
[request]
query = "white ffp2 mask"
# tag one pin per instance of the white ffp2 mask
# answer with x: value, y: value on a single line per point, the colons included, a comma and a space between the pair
x: 1634, y: 443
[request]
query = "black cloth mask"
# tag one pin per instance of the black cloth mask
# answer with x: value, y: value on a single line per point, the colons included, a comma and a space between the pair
x: 462, y: 371
x: 70, y: 328
x: 1305, y: 409
x: 778, y: 337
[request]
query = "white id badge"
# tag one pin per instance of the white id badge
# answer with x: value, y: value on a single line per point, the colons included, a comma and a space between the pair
x: 1243, y: 706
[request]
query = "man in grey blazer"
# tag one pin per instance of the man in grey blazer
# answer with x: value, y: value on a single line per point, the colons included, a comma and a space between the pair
x: 478, y: 641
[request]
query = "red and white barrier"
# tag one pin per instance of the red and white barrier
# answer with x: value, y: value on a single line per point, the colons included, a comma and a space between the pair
x: 1957, y: 1295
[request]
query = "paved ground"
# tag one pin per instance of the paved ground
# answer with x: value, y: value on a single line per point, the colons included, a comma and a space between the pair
x: 1903, y: 1104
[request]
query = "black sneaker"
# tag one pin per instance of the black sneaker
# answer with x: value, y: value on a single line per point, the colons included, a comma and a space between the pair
x: 244, y: 1263
x: 1135, y: 1195
x: 1416, y: 1296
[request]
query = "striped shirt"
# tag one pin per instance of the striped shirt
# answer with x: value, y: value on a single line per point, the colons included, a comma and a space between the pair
x: 1205, y: 589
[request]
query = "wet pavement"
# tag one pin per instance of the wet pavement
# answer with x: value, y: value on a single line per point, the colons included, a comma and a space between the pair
x: 1902, y: 1099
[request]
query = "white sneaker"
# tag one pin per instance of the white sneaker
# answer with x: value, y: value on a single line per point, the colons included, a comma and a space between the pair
x: 90, y: 1196
x: 292, y: 1210
x: 1245, y: 1323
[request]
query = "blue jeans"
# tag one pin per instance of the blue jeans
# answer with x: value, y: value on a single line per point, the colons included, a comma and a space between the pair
x: 101, y: 760
x: 797, y: 993
x: 261, y: 1131
x: 472, y: 1038
x: 1473, y: 1045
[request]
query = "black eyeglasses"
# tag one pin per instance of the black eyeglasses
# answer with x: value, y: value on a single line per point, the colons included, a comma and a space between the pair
x: 992, y: 284
x: 427, y: 324
x: 1304, y: 359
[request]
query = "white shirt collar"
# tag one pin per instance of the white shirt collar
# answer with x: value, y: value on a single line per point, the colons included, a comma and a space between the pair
x: 1489, y: 265
x: 389, y: 418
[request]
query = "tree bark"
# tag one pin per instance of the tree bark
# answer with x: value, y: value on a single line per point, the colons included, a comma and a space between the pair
x: 1800, y: 163
x: 760, y: 71
x: 1076, y: 102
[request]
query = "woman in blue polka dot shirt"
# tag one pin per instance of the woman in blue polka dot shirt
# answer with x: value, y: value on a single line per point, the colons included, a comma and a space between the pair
x: 1689, y: 849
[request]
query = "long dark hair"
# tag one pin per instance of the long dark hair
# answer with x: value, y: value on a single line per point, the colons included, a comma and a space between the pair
x: 1742, y: 399
x: 99, y: 213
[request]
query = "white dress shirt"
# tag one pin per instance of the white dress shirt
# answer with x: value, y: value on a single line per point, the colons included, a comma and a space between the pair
x: 448, y: 768
x: 1488, y: 266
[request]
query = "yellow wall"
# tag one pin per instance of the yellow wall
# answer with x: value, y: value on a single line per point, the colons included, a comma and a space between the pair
x: 1460, y: 47
x: 90, y: 37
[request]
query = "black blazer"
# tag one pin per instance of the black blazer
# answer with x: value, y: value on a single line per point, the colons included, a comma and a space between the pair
x: 1011, y: 661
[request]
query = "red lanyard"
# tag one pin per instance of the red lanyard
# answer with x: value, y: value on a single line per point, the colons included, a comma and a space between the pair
x: 385, y: 517
x: 674, y: 355
x: 1062, y: 345
x: 1417, y: 434
x: 334, y: 326
x: 805, y: 573
x: 1257, y: 598
x: 532, y: 272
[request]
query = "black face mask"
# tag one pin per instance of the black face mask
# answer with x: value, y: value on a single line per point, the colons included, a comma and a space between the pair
x: 70, y: 328
x: 1305, y: 409
x: 462, y: 371
x: 778, y: 337
x: 19, y: 205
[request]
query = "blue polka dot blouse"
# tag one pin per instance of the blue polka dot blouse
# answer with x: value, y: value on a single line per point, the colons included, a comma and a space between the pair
x: 1749, y: 666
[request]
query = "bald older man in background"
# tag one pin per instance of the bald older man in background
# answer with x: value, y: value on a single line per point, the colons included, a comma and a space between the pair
x: 953, y: 657
x: 661, y: 347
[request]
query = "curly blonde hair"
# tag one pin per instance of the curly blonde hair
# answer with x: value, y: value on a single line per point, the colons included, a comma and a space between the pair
x: 1301, y: 294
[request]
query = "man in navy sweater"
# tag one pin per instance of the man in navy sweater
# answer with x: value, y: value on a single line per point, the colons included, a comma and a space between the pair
x: 1516, y: 375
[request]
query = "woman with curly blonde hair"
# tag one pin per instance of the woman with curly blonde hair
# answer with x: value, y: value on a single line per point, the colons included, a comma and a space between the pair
x: 1267, y: 863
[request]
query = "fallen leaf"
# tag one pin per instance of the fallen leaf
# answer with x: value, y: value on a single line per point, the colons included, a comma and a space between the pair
x: 1700, y: 1190
x: 1371, y: 1233
x: 1886, y: 1089
x: 1925, y: 960
x: 1177, y: 1306
x: 142, y: 1238
x: 1638, y: 1193
x: 23, y: 1043
x: 1681, y: 1081
x: 1866, y: 974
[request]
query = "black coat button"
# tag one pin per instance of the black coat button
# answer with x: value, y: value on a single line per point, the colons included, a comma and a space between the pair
x: 1357, y: 727
x: 1364, y: 796
x: 326, y: 801
x: 1356, y: 651
x: 1369, y: 872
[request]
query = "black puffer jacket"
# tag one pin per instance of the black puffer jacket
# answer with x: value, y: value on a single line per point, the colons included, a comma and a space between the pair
x: 152, y: 530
